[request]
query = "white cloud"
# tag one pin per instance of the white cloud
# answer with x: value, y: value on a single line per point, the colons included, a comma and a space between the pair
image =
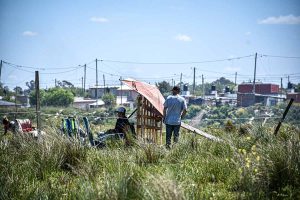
x: 99, y: 19
x: 232, y: 69
x: 288, y: 19
x: 182, y: 37
x: 29, y: 33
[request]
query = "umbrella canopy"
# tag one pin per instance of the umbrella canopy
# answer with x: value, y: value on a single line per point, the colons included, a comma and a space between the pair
x: 150, y: 92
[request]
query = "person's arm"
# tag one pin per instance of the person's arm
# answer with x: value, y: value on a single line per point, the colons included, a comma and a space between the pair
x: 164, y: 114
x: 184, y: 110
x: 183, y: 113
x: 165, y: 110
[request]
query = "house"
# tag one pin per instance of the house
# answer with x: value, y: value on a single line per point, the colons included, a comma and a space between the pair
x: 295, y: 96
x: 266, y: 93
x: 127, y: 92
x: 23, y: 100
x: 123, y: 93
x: 7, y: 104
x: 86, y: 104
x: 101, y: 90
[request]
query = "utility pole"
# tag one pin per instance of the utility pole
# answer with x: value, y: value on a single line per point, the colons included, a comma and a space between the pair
x: 104, y: 90
x: 254, y: 73
x: 0, y: 70
x: 121, y: 90
x: 281, y: 88
x: 235, y: 78
x: 37, y: 98
x: 288, y: 79
x: 96, y: 91
x: 55, y: 83
x: 203, y: 93
x: 180, y: 81
x: 84, y: 80
x: 194, y: 81
x: 82, y: 85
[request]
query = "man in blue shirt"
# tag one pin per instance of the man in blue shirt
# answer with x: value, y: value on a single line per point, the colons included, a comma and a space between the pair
x: 174, y: 110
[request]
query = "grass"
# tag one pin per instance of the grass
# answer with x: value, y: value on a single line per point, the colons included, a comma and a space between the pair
x: 256, y: 165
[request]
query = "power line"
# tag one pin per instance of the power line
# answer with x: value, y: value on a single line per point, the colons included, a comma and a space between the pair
x: 273, y: 56
x: 177, y: 63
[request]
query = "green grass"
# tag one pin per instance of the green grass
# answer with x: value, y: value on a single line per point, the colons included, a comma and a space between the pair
x: 253, y: 166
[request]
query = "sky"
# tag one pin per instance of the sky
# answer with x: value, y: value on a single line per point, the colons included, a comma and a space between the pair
x: 149, y: 40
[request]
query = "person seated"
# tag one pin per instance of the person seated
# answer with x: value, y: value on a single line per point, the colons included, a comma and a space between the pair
x: 122, y: 124
x: 8, y: 125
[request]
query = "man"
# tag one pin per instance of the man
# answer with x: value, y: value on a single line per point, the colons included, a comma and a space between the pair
x: 174, y: 110
x: 122, y: 124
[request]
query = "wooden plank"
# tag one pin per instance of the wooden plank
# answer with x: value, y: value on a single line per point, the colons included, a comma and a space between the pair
x: 199, y: 132
x: 149, y: 127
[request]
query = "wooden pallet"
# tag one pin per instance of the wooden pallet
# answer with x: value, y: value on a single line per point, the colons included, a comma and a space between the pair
x: 149, y: 122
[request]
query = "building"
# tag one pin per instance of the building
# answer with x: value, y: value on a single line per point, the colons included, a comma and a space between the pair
x: 265, y: 93
x: 23, y: 100
x: 101, y: 90
x: 7, y: 104
x: 86, y: 104
x: 295, y: 96
x: 124, y: 94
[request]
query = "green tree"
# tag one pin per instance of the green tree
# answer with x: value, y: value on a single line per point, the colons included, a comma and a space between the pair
x: 164, y: 87
x: 53, y: 97
x: 58, y: 97
x: 109, y: 99
x: 32, y: 97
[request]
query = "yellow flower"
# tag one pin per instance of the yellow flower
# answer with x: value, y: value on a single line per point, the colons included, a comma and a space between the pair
x: 253, y: 147
x: 258, y: 158
x: 240, y: 150
x: 254, y: 153
x: 244, y: 151
x: 255, y: 170
x: 227, y: 160
x: 248, y: 138
x: 247, y: 165
x: 240, y: 170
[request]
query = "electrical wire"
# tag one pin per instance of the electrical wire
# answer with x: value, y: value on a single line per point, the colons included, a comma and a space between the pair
x: 177, y: 63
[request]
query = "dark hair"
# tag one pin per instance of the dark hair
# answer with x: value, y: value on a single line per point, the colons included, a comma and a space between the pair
x: 176, y: 88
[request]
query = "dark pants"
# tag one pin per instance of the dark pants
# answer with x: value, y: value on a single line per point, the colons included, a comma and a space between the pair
x: 169, y: 130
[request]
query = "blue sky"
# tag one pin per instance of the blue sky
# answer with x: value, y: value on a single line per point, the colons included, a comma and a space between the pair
x: 54, y: 35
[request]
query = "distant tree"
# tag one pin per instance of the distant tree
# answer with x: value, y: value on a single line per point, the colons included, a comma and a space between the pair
x: 58, y: 97
x: 31, y: 87
x: 65, y: 84
x: 18, y: 90
x: 109, y: 99
x: 53, y: 97
x: 221, y: 83
x: 164, y: 87
x: 32, y: 97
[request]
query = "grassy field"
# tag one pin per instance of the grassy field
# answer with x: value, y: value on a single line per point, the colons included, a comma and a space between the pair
x: 256, y: 165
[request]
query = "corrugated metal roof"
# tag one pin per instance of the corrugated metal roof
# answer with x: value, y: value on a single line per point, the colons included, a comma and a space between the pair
x: 7, y: 103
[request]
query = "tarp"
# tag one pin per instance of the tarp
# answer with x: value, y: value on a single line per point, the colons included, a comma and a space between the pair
x: 150, y: 92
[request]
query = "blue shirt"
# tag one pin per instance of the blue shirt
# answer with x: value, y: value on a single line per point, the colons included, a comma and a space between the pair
x: 174, y: 104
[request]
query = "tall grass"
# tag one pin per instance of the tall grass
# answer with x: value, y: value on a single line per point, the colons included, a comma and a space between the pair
x: 252, y: 166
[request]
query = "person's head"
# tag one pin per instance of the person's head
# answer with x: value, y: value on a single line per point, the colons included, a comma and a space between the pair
x: 175, y: 90
x: 5, y: 118
x: 121, y: 111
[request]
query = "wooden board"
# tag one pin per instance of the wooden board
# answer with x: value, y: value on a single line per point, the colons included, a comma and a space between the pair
x: 199, y: 132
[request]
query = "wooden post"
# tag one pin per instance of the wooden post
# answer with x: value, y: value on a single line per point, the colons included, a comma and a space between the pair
x: 37, y: 98
x: 283, y: 116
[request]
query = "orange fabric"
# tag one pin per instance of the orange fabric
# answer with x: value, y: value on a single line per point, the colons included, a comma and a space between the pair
x: 150, y: 92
